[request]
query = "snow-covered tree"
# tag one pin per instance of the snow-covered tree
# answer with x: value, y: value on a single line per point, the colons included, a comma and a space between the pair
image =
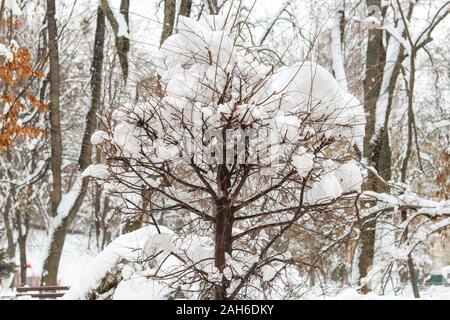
x: 6, y: 266
x: 241, y: 153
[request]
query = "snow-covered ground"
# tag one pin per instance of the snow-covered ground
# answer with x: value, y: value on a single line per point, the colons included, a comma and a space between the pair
x: 78, y: 251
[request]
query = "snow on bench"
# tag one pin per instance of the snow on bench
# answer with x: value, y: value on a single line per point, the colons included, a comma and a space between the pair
x: 42, y: 292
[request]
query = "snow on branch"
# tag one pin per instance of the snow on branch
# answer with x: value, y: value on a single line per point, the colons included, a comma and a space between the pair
x: 407, y: 200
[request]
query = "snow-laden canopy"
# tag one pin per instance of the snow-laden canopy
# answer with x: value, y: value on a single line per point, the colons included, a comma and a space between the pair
x: 224, y: 130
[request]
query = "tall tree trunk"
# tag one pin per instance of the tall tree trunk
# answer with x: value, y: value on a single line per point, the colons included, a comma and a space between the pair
x: 223, y: 224
x: 22, y: 240
x: 96, y: 90
x: 336, y: 49
x: 50, y: 268
x: 57, y: 240
x: 375, y: 59
x: 406, y: 159
x: 9, y: 229
x: 51, y: 263
x: 55, y: 119
x: 212, y: 6
x: 377, y: 149
x: 22, y: 226
x: 122, y: 41
x: 185, y: 8
x: 169, y: 19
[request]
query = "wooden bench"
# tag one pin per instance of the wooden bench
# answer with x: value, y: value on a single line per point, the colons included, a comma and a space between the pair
x: 47, y: 292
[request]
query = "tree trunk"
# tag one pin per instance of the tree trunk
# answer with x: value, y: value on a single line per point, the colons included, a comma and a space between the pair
x: 9, y: 230
x: 413, y: 278
x: 58, y: 237
x: 122, y: 41
x: 212, y: 6
x: 404, y: 169
x: 367, y: 239
x: 223, y: 242
x: 375, y: 59
x: 51, y: 263
x: 23, y: 260
x: 96, y: 88
x: 169, y: 19
x: 55, y: 119
x: 224, y: 219
x: 185, y: 8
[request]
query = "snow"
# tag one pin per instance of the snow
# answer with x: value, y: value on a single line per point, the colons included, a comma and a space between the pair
x: 410, y: 199
x: 99, y: 171
x: 128, y: 246
x: 305, y: 83
x: 65, y: 205
x: 6, y: 108
x: 445, y: 271
x: 303, y: 162
x: 336, y: 53
x: 268, y: 272
x: 198, y: 252
x: 288, y: 127
x: 307, y: 87
x: 324, y: 190
x: 140, y: 288
x: 434, y: 293
x: 126, y: 137
x: 350, y: 121
x: 392, y: 52
x: 98, y: 137
x: 438, y: 124
x: 276, y: 16
x: 165, y: 151
x: 6, y: 52
x: 13, y: 7
x: 78, y: 250
x: 68, y: 200
x: 349, y: 176
x: 163, y: 241
x: 122, y: 23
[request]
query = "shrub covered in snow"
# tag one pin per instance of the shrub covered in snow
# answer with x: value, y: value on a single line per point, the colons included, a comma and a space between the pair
x: 242, y: 154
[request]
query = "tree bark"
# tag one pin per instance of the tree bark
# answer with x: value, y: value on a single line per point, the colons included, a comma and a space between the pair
x: 377, y: 149
x: 375, y: 60
x: 122, y: 41
x: 223, y: 243
x: 58, y: 238
x: 22, y: 240
x: 212, y: 6
x: 135, y: 222
x: 51, y: 263
x: 9, y: 230
x: 223, y: 228
x: 185, y: 8
x: 96, y: 90
x: 55, y: 118
x: 169, y: 19
x: 404, y: 169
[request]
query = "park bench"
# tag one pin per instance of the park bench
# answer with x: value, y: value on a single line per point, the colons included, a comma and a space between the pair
x: 42, y: 292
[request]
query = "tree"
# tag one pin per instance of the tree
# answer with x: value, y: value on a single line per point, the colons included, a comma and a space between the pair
x: 65, y: 211
x: 243, y: 153
x: 20, y: 127
x: 6, y: 267
x: 384, y: 64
